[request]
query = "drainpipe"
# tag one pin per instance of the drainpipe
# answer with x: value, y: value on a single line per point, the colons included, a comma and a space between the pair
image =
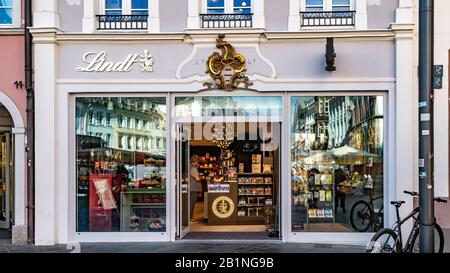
x: 426, y: 149
x: 29, y: 86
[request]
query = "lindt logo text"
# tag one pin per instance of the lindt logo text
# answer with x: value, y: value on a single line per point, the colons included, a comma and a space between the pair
x: 97, y: 62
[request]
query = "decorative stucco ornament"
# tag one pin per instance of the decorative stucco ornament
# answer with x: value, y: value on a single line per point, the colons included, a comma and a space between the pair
x: 227, y: 70
x: 146, y: 61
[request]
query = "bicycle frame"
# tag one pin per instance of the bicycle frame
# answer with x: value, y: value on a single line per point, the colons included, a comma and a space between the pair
x: 398, y: 227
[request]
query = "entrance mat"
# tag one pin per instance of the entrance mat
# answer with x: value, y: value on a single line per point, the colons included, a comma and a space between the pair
x: 230, y: 236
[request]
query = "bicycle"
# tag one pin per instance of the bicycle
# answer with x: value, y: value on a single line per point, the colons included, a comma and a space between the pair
x: 363, y: 215
x: 389, y: 240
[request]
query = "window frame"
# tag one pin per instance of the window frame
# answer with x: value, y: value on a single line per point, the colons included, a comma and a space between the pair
x: 16, y: 20
x: 228, y: 7
x: 327, y: 6
x: 126, y: 7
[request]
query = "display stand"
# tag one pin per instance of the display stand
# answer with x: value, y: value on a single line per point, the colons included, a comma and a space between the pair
x: 255, y: 197
x: 143, y: 210
x: 320, y: 191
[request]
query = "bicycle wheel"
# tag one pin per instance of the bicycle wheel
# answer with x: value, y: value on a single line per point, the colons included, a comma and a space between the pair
x: 438, y: 241
x: 384, y: 241
x: 361, y: 216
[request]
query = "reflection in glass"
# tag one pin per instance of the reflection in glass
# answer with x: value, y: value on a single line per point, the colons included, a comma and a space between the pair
x: 121, y: 176
x: 337, y: 163
x: 228, y: 106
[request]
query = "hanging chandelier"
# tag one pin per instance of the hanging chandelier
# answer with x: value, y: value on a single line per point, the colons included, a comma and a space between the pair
x: 223, y: 136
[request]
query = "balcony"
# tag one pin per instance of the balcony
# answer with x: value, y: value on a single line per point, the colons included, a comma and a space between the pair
x: 122, y: 22
x: 327, y: 18
x: 226, y: 20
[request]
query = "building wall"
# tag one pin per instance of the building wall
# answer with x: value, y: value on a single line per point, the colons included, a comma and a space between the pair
x: 381, y: 13
x: 441, y: 110
x: 12, y: 69
x: 277, y: 14
x: 70, y: 13
x: 173, y: 15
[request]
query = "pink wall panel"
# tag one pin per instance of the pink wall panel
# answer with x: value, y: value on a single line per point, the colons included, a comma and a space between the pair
x: 12, y: 69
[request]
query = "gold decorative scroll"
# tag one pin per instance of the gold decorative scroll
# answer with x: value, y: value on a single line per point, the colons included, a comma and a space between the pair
x: 227, y: 70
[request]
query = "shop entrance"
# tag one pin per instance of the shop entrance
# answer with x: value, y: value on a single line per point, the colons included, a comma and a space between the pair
x: 6, y: 201
x: 228, y: 179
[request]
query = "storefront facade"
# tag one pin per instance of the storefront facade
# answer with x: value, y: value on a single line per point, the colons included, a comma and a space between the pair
x: 109, y: 104
x: 12, y: 123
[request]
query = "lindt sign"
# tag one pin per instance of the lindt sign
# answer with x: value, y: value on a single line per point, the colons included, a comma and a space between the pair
x: 98, y: 62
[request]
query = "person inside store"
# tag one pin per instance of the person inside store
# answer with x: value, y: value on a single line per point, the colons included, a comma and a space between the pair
x: 195, y: 185
x: 339, y: 178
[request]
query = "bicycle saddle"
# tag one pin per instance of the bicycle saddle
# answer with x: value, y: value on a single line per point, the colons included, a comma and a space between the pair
x: 397, y: 203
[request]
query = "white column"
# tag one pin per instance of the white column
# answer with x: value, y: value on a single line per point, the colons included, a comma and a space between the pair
x: 89, y: 20
x: 258, y: 14
x: 45, y: 164
x: 361, y: 14
x: 404, y: 14
x: 45, y: 13
x: 294, y: 15
x: 19, y: 176
x: 406, y: 134
x: 193, y: 20
x: 153, y: 18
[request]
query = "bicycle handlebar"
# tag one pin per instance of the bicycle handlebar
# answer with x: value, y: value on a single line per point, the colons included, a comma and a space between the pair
x: 412, y: 193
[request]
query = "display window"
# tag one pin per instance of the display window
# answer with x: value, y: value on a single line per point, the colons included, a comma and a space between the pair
x: 121, y: 177
x: 337, y: 172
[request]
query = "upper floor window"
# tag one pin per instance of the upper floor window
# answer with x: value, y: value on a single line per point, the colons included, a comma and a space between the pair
x: 227, y: 14
x: 123, y: 14
x: 126, y: 7
x: 229, y: 6
x: 6, y: 12
x: 327, y: 5
x: 320, y: 13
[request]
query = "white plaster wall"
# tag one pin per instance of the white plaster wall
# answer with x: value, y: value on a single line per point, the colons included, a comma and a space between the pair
x: 441, y: 115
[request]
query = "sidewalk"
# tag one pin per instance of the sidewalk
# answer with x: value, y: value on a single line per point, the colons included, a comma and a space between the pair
x: 187, y: 247
x: 192, y: 247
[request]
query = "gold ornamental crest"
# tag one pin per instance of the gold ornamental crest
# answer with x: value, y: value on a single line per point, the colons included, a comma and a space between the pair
x: 227, y: 70
x: 223, y: 207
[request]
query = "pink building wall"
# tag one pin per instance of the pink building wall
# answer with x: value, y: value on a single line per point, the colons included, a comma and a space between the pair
x: 12, y: 69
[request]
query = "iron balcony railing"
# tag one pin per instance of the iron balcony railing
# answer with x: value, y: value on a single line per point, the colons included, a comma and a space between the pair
x: 122, y: 22
x: 327, y: 18
x: 226, y: 20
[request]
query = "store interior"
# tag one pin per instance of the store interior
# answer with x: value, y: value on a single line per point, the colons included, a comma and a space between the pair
x: 238, y: 169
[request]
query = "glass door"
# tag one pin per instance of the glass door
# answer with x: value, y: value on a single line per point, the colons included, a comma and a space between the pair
x: 182, y: 180
x: 5, y: 180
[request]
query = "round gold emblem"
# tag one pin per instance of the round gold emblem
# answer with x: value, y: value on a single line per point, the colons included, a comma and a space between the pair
x: 223, y: 207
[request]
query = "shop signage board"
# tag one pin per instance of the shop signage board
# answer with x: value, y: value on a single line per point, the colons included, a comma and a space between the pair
x: 98, y: 62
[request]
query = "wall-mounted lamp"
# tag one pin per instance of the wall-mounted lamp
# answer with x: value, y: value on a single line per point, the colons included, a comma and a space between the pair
x: 330, y: 55
x: 18, y: 84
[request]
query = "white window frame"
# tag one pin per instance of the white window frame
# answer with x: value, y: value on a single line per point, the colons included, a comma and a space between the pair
x: 97, y: 7
x: 16, y: 15
x: 228, y: 6
x: 297, y: 6
x: 328, y: 5
x: 126, y: 7
x: 196, y: 7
